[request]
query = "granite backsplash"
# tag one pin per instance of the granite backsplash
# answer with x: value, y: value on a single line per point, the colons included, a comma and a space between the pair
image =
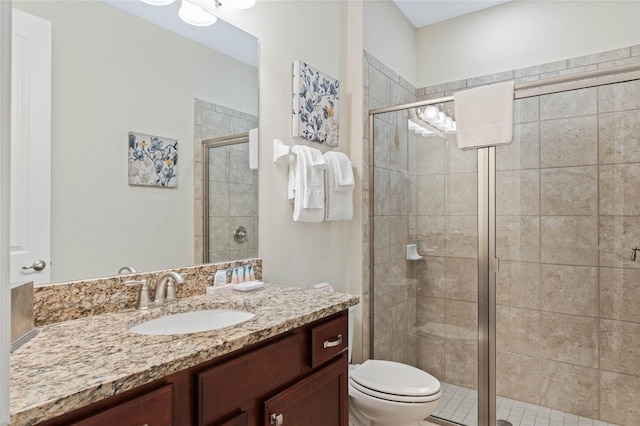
x: 77, y: 299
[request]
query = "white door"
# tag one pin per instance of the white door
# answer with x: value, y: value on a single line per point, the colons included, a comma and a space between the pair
x: 30, y: 149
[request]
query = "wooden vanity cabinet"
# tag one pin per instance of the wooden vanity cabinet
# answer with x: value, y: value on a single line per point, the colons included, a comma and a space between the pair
x: 300, y: 377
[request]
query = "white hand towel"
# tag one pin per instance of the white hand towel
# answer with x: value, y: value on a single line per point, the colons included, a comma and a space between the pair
x: 339, y: 198
x: 343, y: 179
x: 484, y: 116
x: 306, y: 183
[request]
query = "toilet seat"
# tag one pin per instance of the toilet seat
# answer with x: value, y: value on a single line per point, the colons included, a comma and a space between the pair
x: 393, y: 398
x: 394, y: 381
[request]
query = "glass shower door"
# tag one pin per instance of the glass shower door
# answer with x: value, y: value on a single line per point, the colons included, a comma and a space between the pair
x: 425, y: 311
x: 567, y: 218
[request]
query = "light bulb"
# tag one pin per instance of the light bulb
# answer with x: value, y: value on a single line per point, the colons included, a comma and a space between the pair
x: 195, y: 15
x: 238, y: 4
x: 447, y: 125
x: 430, y: 113
x: 158, y: 2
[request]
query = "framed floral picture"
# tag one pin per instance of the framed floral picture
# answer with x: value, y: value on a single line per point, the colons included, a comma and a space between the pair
x: 153, y: 160
x: 315, y: 105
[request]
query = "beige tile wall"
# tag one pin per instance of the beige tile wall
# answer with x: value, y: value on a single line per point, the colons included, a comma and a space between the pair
x: 394, y: 281
x: 233, y: 187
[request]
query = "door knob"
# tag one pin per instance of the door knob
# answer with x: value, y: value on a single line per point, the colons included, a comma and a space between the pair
x: 37, y: 265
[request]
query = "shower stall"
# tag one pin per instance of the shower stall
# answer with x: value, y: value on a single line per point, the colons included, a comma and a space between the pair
x: 525, y: 303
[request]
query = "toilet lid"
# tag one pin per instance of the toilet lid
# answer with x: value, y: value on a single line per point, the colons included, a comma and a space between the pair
x: 395, y: 378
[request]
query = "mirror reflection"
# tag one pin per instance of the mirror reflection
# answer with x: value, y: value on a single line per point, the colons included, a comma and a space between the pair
x: 120, y: 74
x: 231, y: 182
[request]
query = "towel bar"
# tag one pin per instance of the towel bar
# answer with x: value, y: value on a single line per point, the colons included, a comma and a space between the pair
x: 280, y: 151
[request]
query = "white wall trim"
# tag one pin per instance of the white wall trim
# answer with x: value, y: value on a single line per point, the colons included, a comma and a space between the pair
x: 5, y: 144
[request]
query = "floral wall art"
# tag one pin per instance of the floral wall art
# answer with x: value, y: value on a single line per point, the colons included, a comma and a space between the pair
x: 315, y: 105
x: 153, y: 160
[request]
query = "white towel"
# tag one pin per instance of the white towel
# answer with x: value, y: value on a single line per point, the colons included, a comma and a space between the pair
x: 306, y: 183
x: 339, y: 198
x: 343, y: 179
x: 484, y: 115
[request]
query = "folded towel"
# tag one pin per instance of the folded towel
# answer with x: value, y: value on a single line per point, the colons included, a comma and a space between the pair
x: 339, y: 198
x: 343, y: 179
x: 306, y: 183
x: 484, y: 115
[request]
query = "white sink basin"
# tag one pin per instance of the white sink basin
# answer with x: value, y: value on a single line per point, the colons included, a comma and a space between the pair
x: 192, y: 322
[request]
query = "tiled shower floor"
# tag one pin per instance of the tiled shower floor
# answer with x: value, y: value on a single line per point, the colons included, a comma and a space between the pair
x: 460, y: 405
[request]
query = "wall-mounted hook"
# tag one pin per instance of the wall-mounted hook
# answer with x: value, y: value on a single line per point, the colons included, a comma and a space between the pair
x: 634, y: 252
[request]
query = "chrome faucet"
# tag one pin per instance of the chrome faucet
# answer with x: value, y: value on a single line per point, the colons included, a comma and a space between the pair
x: 166, y: 284
x: 127, y: 270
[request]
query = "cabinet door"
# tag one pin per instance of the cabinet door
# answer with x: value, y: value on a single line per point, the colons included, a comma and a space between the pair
x: 151, y: 409
x: 241, y: 419
x: 243, y: 380
x: 318, y: 400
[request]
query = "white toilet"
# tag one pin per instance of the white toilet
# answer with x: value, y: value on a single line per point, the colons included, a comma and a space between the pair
x: 387, y: 393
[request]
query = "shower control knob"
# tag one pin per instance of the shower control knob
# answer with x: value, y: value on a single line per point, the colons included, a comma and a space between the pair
x: 240, y: 234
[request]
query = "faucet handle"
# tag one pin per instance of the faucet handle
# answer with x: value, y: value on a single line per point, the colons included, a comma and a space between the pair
x: 171, y: 290
x: 143, y: 297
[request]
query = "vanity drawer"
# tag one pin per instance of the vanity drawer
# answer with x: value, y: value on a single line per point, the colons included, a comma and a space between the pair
x: 152, y: 409
x: 229, y: 386
x: 329, y: 340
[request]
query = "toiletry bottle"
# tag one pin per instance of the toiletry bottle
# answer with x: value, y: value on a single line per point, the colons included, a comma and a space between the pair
x: 240, y: 274
x: 234, y: 276
x: 252, y: 274
x: 220, y: 278
x: 247, y: 273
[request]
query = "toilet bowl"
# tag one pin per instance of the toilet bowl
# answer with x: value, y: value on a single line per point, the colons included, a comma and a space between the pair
x: 388, y: 393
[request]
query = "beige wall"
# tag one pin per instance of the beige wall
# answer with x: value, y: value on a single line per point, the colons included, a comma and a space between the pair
x: 390, y: 37
x: 523, y: 33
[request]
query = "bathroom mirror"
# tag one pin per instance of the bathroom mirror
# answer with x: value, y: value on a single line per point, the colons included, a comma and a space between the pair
x: 114, y: 73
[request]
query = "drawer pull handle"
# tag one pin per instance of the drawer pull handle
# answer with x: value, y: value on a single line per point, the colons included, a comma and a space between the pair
x: 331, y: 344
x: 276, y: 419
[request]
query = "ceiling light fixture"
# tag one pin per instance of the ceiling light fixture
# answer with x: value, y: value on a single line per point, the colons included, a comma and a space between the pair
x: 195, y: 15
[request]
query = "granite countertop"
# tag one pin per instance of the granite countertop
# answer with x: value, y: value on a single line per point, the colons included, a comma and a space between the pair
x: 74, y: 363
